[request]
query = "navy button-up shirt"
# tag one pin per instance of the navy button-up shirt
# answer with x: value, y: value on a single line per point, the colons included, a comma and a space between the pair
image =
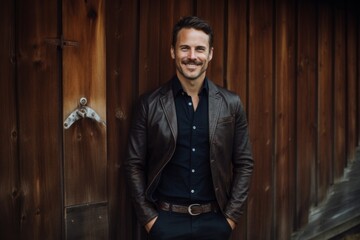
x: 187, y: 177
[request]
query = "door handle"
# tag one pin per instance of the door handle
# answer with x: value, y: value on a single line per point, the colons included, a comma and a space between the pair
x: 82, y: 111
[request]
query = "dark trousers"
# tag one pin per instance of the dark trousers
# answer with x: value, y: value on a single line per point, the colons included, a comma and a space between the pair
x: 180, y: 226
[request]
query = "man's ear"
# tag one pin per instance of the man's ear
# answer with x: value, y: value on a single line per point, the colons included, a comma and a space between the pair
x: 211, y: 53
x: 172, y: 52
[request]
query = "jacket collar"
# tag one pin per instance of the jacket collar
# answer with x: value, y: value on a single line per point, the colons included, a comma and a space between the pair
x: 168, y: 106
x: 215, y: 102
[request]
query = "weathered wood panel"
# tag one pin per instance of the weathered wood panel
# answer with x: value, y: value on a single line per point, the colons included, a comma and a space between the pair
x: 237, y: 48
x: 260, y: 114
x: 149, y: 45
x: 285, y: 80
x: 236, y: 78
x: 9, y: 174
x: 121, y: 72
x: 84, y: 76
x: 339, y: 91
x: 39, y: 112
x: 306, y: 116
x: 358, y: 81
x: 351, y: 60
x: 325, y: 97
x: 85, y: 149
x: 278, y: 55
x: 88, y: 222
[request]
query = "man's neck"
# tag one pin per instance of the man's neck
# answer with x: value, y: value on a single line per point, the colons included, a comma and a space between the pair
x: 192, y: 87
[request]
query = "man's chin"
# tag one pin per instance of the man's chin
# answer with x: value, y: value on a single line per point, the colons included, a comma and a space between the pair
x: 192, y: 77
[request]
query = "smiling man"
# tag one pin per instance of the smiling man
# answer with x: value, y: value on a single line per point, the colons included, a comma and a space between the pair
x: 189, y: 159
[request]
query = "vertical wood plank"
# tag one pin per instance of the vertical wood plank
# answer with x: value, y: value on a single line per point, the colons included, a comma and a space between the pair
x: 149, y: 45
x: 9, y: 174
x: 236, y: 37
x: 260, y: 203
x: 351, y: 60
x: 38, y: 88
x: 339, y: 90
x: 237, y: 48
x: 85, y: 159
x: 325, y: 100
x: 121, y: 69
x: 213, y: 12
x: 306, y: 110
x: 285, y: 80
x: 358, y: 78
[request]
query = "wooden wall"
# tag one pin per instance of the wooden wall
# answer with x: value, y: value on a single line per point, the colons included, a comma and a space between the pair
x: 294, y: 63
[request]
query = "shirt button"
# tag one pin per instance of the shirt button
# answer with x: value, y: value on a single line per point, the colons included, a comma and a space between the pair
x: 189, y: 103
x: 193, y: 149
x: 194, y: 127
x: 192, y: 190
x: 192, y: 170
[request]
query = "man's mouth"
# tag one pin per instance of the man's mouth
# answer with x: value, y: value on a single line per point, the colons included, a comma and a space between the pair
x: 192, y: 63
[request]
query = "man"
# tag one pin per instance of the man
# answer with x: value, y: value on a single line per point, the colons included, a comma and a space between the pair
x: 189, y: 158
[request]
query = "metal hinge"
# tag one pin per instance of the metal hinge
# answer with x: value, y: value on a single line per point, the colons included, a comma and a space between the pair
x: 82, y: 111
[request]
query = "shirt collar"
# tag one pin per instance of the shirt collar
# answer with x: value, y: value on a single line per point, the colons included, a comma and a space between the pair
x: 177, y: 88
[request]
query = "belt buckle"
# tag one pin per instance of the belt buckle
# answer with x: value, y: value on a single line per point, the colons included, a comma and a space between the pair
x: 190, y: 210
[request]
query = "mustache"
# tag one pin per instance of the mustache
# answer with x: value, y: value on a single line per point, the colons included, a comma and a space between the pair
x: 190, y: 61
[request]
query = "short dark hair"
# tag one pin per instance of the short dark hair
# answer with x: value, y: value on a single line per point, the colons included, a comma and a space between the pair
x: 192, y: 22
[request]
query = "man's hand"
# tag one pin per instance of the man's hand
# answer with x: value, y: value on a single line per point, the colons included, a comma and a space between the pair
x: 150, y: 224
x: 231, y: 223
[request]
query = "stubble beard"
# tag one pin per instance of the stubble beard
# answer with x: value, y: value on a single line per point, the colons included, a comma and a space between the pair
x: 182, y: 69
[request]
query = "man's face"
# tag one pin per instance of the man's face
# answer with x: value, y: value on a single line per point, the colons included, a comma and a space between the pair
x: 192, y: 54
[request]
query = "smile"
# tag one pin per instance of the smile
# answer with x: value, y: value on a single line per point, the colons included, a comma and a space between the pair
x: 192, y: 64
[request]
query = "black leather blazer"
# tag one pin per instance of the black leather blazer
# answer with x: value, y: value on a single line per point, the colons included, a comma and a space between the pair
x: 152, y: 141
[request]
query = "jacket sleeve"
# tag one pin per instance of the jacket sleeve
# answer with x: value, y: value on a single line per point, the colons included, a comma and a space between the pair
x: 242, y: 166
x: 135, y: 165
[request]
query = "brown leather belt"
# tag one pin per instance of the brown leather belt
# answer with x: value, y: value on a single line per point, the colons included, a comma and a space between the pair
x: 192, y: 209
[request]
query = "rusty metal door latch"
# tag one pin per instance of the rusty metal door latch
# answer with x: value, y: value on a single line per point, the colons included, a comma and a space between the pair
x: 82, y: 111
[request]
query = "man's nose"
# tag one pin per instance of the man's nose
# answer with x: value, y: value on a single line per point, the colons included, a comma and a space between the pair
x: 192, y: 54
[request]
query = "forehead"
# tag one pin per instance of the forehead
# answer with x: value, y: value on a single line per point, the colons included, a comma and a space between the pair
x: 192, y: 37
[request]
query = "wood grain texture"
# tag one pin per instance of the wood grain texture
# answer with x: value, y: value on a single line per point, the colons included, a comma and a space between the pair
x: 340, y: 148
x: 9, y: 165
x: 88, y: 222
x: 285, y: 81
x: 306, y: 115
x: 237, y: 48
x: 352, y: 45
x: 358, y: 82
x: 121, y: 87
x: 85, y: 155
x: 149, y: 45
x: 84, y: 65
x: 324, y: 168
x: 38, y: 97
x: 260, y: 115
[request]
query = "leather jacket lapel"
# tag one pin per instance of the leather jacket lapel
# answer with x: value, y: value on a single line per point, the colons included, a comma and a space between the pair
x: 215, y: 102
x: 168, y: 106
